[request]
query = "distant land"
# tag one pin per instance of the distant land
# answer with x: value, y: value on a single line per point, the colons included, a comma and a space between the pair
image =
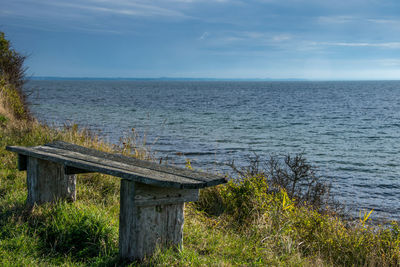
x: 52, y: 78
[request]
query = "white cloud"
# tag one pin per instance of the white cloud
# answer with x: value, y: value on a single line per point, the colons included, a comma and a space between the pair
x: 204, y: 36
x: 384, y: 21
x: 86, y: 15
x: 394, y: 45
x: 64, y: 9
x: 251, y: 35
x: 130, y: 8
x: 255, y: 37
x: 389, y: 62
x: 199, y: 1
x: 281, y: 37
x: 391, y: 45
x: 335, y: 19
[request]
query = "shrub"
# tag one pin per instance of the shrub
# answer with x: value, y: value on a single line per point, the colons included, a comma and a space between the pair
x: 262, y: 186
x: 11, y: 99
x: 12, y: 75
x: 293, y: 174
x: 244, y: 201
x: 3, y: 120
x: 11, y: 63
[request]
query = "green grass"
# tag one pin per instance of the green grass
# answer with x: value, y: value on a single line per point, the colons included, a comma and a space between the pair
x: 238, y: 224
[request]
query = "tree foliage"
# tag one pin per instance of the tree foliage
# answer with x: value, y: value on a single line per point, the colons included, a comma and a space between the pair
x: 12, y: 78
x: 11, y: 63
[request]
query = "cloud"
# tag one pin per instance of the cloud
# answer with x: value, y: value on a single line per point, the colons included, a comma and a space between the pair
x: 281, y: 37
x: 389, y: 62
x: 393, y: 45
x: 130, y: 8
x: 355, y: 19
x: 386, y: 24
x: 384, y: 21
x: 87, y: 15
x: 200, y: 1
x: 248, y: 44
x: 255, y: 37
x: 204, y: 36
x: 335, y: 19
x: 389, y: 45
x: 64, y: 9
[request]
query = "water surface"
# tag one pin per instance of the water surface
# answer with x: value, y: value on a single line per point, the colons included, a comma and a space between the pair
x: 350, y: 130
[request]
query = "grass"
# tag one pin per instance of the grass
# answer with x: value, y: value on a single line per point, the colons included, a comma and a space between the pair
x: 242, y: 223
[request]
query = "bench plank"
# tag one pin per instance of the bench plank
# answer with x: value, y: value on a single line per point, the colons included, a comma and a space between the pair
x: 196, y: 175
x: 146, y: 195
x: 76, y: 158
x: 153, y: 178
x: 111, y: 164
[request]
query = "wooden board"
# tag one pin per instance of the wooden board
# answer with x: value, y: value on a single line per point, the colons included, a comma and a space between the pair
x: 147, y: 195
x: 77, y: 159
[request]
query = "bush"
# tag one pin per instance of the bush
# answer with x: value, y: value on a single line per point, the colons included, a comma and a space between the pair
x: 243, y: 202
x: 3, y: 120
x: 12, y: 78
x: 11, y: 63
x: 262, y: 186
x: 293, y: 174
x: 11, y: 99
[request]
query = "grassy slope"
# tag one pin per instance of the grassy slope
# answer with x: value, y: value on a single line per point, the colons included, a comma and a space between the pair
x: 252, y: 225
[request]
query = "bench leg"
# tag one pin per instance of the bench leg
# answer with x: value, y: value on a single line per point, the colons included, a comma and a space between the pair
x: 144, y: 228
x: 47, y: 182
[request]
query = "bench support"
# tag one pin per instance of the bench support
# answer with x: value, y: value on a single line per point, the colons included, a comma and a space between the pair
x: 150, y: 217
x: 48, y: 182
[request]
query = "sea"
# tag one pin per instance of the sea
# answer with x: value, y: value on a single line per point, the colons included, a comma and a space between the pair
x: 348, y: 130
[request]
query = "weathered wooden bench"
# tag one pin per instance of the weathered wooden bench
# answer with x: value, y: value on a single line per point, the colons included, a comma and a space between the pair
x: 152, y: 196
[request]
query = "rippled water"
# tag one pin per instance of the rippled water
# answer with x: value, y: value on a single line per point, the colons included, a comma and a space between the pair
x: 350, y: 130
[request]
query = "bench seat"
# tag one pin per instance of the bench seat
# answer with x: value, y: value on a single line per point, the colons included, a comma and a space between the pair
x: 78, y: 159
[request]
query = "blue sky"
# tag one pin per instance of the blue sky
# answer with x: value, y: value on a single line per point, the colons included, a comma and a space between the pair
x: 311, y: 39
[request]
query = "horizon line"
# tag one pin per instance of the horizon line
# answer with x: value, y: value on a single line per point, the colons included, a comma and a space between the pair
x: 193, y: 79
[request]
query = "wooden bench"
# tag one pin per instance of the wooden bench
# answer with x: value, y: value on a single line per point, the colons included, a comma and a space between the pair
x: 152, y: 196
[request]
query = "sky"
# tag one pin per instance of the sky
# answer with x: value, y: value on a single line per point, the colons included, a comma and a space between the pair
x: 305, y: 39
